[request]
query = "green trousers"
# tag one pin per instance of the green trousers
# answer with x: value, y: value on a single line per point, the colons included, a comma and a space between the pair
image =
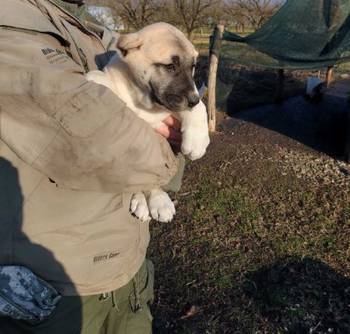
x: 123, y: 311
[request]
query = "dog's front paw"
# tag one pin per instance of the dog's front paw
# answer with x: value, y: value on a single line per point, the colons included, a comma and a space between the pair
x: 139, y: 207
x: 194, y: 142
x: 161, y: 206
x: 195, y: 132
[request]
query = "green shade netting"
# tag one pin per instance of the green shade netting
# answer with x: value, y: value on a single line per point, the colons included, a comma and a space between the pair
x: 303, y: 34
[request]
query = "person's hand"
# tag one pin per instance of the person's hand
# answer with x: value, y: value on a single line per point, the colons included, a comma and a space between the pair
x: 171, y: 130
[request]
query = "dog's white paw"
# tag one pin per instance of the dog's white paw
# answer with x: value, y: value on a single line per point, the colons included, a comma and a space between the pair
x: 194, y: 142
x: 139, y: 207
x: 161, y: 206
x: 195, y: 132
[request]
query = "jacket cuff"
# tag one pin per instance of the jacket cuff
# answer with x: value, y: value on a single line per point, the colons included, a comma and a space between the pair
x: 176, y: 182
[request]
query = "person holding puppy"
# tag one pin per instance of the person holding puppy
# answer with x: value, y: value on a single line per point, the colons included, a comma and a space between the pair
x: 74, y: 154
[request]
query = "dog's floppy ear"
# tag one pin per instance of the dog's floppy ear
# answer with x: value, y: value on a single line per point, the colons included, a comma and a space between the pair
x: 128, y: 42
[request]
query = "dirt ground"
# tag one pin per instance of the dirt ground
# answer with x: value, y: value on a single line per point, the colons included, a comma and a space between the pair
x: 260, y: 243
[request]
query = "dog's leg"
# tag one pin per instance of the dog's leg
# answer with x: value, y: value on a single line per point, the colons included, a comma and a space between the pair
x: 99, y: 77
x: 139, y: 207
x: 160, y: 205
x: 195, y: 132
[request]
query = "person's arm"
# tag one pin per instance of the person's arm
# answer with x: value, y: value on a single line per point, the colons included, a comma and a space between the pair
x: 171, y: 130
x: 76, y: 132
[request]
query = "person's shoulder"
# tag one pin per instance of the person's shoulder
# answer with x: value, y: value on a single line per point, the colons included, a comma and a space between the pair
x: 25, y: 15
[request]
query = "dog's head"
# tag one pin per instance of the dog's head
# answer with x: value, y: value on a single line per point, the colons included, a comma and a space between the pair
x: 162, y: 62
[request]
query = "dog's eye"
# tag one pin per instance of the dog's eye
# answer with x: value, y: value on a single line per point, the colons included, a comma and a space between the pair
x: 170, y: 67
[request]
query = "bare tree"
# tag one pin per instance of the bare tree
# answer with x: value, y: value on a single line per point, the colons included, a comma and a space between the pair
x: 192, y: 14
x: 235, y: 16
x: 253, y: 12
x: 188, y: 15
x: 137, y: 13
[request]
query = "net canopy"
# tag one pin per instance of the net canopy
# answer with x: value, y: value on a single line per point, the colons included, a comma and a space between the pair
x: 303, y: 34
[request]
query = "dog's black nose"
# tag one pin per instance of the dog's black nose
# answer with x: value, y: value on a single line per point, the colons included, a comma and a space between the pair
x: 193, y: 99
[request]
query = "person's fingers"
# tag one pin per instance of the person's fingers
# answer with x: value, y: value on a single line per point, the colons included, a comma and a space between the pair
x: 170, y: 133
x: 163, y: 130
x: 172, y: 122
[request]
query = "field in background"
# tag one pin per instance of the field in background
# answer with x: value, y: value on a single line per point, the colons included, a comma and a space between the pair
x: 201, y: 42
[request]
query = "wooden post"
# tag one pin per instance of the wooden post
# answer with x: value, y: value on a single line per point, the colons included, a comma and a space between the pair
x: 280, y: 86
x: 213, y: 68
x: 329, y: 76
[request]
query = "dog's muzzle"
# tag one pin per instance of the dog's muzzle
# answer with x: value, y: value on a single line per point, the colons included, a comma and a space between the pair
x: 192, y: 100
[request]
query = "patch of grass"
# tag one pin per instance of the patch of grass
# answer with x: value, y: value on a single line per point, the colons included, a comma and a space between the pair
x: 224, y: 203
x: 346, y: 214
x: 254, y: 250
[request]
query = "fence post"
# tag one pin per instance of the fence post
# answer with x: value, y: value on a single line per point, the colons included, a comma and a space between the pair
x: 213, y: 68
x: 329, y: 76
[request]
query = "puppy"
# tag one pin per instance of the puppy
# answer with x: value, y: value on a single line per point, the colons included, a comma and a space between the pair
x: 152, y: 73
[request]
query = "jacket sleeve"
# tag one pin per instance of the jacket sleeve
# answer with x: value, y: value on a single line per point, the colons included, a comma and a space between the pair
x: 176, y: 182
x: 76, y: 132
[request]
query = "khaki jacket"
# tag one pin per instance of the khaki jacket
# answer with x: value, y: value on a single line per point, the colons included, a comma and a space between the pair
x: 71, y: 154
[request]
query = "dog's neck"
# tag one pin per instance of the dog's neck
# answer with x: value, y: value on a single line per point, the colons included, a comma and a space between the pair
x: 128, y: 88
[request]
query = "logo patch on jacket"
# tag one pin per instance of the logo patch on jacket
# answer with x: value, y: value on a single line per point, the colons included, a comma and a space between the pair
x: 104, y: 257
x: 55, y: 56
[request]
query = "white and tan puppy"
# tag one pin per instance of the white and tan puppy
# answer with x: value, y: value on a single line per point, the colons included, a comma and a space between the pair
x: 153, y: 74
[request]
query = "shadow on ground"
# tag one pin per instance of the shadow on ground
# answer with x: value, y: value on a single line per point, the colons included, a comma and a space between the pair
x: 248, y: 93
x: 252, y: 87
x: 301, y: 296
x: 321, y: 126
x: 293, y: 295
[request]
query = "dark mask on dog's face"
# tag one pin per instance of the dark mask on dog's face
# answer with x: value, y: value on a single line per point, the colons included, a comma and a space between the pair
x: 173, y: 85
